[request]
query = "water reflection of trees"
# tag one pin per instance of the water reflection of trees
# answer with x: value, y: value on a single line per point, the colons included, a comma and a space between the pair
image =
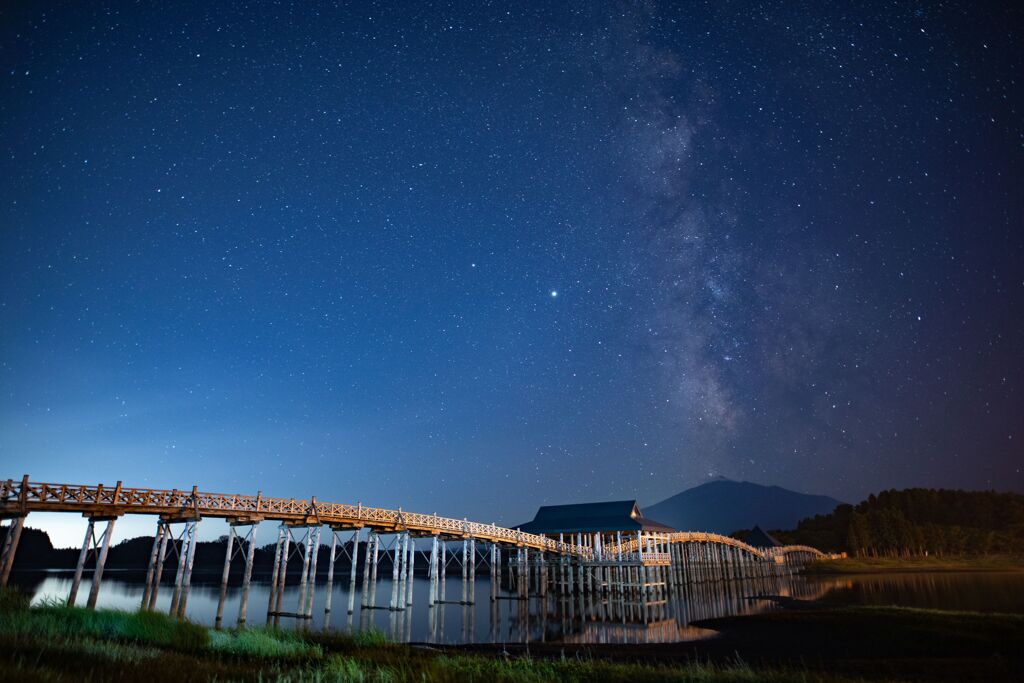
x: 949, y: 591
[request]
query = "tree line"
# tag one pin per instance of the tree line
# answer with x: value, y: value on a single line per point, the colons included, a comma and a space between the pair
x: 918, y: 522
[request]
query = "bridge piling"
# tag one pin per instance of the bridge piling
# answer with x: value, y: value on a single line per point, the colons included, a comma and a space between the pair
x: 224, y: 577
x: 10, y: 547
x: 367, y: 561
x: 183, y: 582
x: 410, y: 564
x: 282, y: 578
x: 526, y: 575
x: 250, y: 554
x: 235, y: 540
x: 373, y: 571
x: 443, y: 573
x: 354, y: 560
x: 495, y: 572
x: 329, y: 590
x: 311, y: 581
x: 465, y: 572
x: 80, y: 567
x: 472, y: 572
x: 397, y: 553
x: 432, y: 573
x: 403, y: 569
x: 307, y: 549
x: 159, y: 571
x: 101, y: 560
x: 275, y: 574
x: 151, y: 566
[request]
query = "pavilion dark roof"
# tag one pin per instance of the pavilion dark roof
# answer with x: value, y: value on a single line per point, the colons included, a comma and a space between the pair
x: 619, y: 515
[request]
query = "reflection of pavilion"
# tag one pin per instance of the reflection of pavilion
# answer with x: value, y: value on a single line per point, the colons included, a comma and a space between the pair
x: 618, y: 620
x: 663, y: 631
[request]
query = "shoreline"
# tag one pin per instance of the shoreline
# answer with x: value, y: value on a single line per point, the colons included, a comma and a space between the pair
x: 888, y: 565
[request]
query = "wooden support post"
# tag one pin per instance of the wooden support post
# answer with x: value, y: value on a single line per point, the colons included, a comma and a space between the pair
x: 542, y: 577
x: 472, y: 571
x: 403, y: 569
x: 569, y: 587
x: 410, y: 564
x: 328, y: 599
x: 159, y: 573
x: 495, y: 572
x: 618, y: 563
x: 101, y: 561
x: 151, y: 567
x: 519, y: 572
x: 432, y: 572
x: 465, y: 573
x: 307, y: 609
x: 281, y: 531
x: 229, y: 546
x: 11, y: 545
x: 307, y: 550
x: 250, y: 553
x: 191, y: 531
x: 282, y: 579
x: 581, y: 581
x: 397, y: 553
x: 443, y: 569
x: 354, y: 559
x: 373, y: 570
x: 365, y: 601
x: 526, y: 573
x: 79, y: 568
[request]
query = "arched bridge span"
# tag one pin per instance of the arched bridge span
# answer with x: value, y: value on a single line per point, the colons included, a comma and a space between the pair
x: 639, y: 562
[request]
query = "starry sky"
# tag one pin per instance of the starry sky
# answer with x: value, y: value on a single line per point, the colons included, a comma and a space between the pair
x: 476, y: 257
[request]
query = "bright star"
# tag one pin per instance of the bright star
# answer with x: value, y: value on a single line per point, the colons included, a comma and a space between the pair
x: 554, y: 293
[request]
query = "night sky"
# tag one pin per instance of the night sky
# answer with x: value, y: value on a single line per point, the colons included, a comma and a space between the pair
x: 474, y: 258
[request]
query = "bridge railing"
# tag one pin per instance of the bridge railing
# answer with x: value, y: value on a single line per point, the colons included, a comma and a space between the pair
x: 630, y: 546
x: 40, y: 495
x: 117, y: 499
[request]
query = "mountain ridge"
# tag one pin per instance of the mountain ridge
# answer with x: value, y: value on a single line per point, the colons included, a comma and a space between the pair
x: 724, y: 506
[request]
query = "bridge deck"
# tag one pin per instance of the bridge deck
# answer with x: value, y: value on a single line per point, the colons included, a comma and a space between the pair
x: 21, y: 497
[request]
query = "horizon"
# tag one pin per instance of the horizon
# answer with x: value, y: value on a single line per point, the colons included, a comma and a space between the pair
x: 65, y: 530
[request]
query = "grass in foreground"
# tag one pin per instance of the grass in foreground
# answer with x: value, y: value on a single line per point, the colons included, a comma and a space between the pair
x: 55, y: 643
x: 888, y: 565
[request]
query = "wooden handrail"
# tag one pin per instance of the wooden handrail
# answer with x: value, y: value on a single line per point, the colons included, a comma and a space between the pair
x: 97, y: 499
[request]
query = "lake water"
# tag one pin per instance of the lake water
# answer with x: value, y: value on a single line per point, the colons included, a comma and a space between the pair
x: 966, y: 591
x: 577, y: 620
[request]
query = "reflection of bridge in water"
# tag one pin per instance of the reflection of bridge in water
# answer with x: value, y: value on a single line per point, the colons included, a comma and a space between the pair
x: 639, y: 578
x: 581, y: 619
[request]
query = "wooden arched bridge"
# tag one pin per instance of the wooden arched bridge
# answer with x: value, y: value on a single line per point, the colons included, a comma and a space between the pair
x: 644, y: 564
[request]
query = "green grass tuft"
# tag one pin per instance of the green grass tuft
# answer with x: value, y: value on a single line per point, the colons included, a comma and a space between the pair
x: 264, y: 643
x: 54, y: 621
x: 13, y: 600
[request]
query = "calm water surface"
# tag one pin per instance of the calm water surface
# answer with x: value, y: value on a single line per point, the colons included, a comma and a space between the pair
x: 576, y: 620
x: 966, y: 591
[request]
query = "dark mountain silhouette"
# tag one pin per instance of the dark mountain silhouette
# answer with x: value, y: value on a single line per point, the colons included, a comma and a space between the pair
x: 725, y: 506
x: 35, y: 553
